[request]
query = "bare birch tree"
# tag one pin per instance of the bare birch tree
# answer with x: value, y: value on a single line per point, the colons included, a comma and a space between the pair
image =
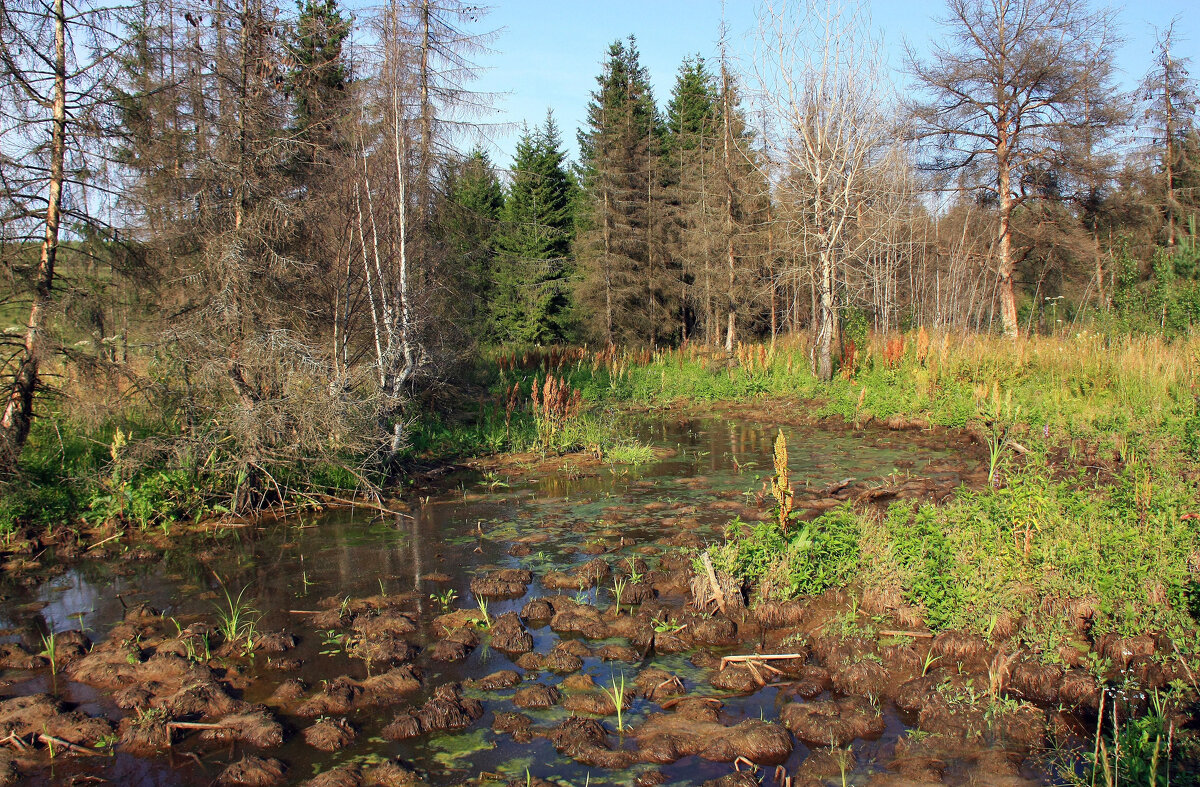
x: 821, y: 72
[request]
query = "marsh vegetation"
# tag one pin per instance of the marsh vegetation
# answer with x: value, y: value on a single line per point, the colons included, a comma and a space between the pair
x: 797, y: 434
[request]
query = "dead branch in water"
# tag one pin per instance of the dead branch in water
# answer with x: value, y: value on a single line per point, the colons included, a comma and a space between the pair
x: 750, y: 658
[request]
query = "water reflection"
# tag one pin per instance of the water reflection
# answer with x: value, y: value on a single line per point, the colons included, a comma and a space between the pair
x: 289, y: 567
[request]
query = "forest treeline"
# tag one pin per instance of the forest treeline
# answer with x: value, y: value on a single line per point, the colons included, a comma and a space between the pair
x: 269, y: 230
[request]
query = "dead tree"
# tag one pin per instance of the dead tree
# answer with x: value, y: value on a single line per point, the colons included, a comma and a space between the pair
x: 1007, y: 83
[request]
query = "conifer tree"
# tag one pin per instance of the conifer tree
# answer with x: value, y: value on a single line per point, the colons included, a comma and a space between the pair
x: 470, y: 215
x: 534, y: 242
x: 621, y: 251
x: 691, y: 135
x: 318, y: 80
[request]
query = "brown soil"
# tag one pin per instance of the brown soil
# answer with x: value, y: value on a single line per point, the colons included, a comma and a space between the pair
x: 507, y: 635
x: 32, y: 716
x: 251, y: 771
x: 536, y: 696
x: 665, y: 738
x: 518, y: 725
x: 832, y: 722
x: 502, y: 584
x: 255, y: 726
x: 504, y: 679
x: 587, y: 742
x: 330, y: 734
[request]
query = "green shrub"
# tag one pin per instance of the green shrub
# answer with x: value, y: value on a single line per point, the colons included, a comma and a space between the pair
x: 807, y: 560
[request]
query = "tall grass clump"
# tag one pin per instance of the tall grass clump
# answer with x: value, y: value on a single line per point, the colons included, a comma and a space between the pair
x: 1042, y: 548
x: 1099, y: 387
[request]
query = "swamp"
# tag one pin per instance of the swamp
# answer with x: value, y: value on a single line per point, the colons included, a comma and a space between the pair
x: 835, y: 421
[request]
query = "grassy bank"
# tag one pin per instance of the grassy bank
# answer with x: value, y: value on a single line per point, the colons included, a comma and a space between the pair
x: 1093, y: 442
x: 1124, y: 392
x: 130, y: 470
x: 1086, y: 523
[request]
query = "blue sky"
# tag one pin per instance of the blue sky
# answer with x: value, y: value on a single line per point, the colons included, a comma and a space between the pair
x: 548, y: 54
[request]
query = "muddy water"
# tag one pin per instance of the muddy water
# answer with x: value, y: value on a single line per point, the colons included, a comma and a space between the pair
x: 435, y: 549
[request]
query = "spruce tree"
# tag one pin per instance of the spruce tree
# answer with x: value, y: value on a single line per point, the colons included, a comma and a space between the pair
x: 534, y: 243
x: 318, y: 79
x: 626, y: 273
x: 469, y: 216
x: 692, y: 137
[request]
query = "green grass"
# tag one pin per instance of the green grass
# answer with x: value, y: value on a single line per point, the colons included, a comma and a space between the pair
x: 1085, y: 386
x: 1031, y: 549
x: 237, y: 619
x: 630, y: 453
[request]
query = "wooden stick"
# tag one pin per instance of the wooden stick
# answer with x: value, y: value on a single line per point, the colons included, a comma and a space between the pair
x: 760, y: 657
x: 918, y: 634
x: 15, y: 740
x: 50, y: 740
x: 360, y: 504
x: 104, y: 541
x: 194, y: 725
x: 718, y: 594
x: 668, y: 682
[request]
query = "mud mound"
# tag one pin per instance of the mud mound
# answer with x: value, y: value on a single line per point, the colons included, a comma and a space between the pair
x: 636, y: 593
x: 810, y: 680
x: 32, y: 716
x: 537, y: 609
x: 457, y: 645
x: 272, y: 642
x: 832, y: 722
x: 388, y: 774
x: 711, y: 632
x: 739, y: 779
x: 253, y: 771
x: 822, y: 765
x: 563, y: 658
x: 8, y: 769
x: 861, y: 678
x: 330, y: 734
x: 509, y: 636
x: 385, y: 623
x: 14, y: 655
x: 338, y: 696
x: 537, y: 696
x: 958, y: 647
x: 144, y: 735
x: 586, y: 742
x: 654, y: 684
x: 666, y: 738
x: 342, y: 694
x: 255, y: 726
x: 518, y: 725
x: 504, y: 679
x: 1036, y: 682
x: 382, y: 644
x: 736, y: 677
x: 1079, y: 689
x: 579, y: 619
x: 447, y: 709
x: 502, y: 584
x: 290, y: 690
x: 404, y: 726
x: 586, y: 575
x: 617, y: 653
